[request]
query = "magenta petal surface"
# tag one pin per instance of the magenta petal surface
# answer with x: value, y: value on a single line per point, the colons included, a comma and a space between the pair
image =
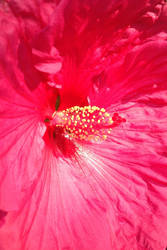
x: 60, y: 192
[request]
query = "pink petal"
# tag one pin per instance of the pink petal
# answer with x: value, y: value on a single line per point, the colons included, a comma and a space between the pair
x: 61, y: 194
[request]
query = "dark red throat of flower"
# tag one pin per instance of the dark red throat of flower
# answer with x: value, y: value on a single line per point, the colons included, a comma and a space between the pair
x: 89, y: 123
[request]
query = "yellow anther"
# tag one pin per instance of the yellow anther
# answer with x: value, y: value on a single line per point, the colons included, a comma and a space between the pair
x: 110, y: 120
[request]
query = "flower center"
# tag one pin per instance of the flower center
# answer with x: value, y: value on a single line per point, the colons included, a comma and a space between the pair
x: 84, y: 123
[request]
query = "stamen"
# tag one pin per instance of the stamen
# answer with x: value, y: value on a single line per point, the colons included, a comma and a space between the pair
x: 84, y: 123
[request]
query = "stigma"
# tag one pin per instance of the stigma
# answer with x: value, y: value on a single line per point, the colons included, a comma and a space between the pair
x: 88, y: 123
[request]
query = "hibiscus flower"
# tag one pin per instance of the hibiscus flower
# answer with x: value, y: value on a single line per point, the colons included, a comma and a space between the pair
x: 83, y: 111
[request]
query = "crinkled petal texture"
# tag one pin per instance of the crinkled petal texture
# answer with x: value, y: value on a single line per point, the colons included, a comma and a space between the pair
x: 109, y: 194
